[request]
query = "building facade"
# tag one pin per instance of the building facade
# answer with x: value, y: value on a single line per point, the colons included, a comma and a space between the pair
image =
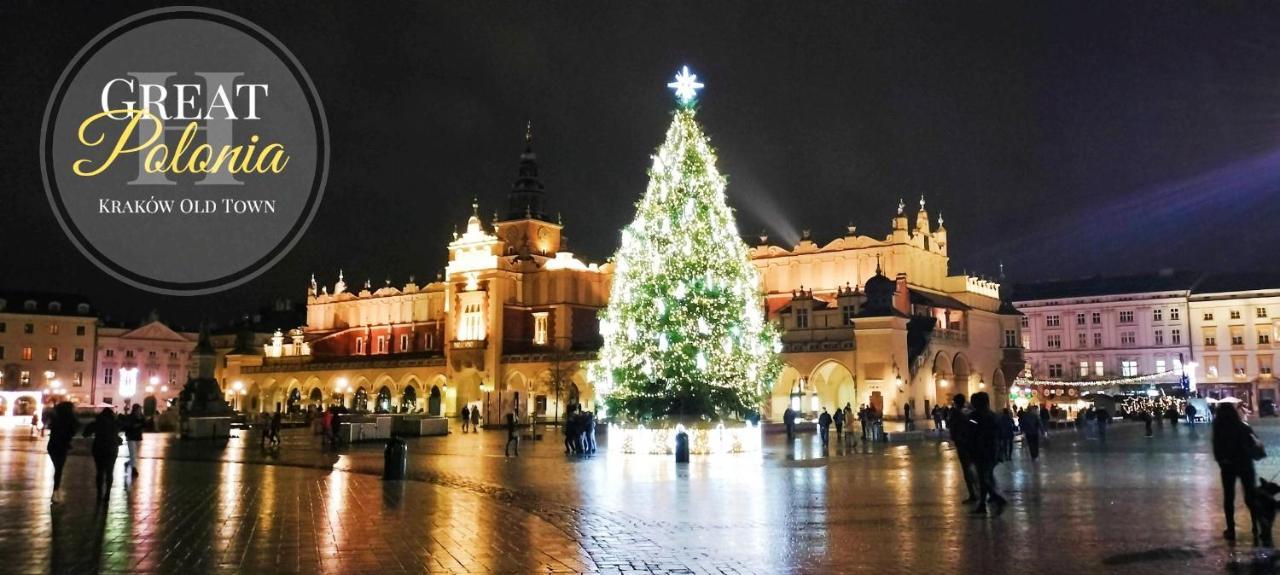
x: 1235, y: 325
x: 510, y: 324
x: 46, y: 349
x: 1086, y: 332
x: 148, y: 364
x: 883, y: 322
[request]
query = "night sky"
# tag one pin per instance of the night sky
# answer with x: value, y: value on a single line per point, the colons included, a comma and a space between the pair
x: 1064, y: 139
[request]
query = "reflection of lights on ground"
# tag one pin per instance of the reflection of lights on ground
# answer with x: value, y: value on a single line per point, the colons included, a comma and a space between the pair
x: 718, y: 440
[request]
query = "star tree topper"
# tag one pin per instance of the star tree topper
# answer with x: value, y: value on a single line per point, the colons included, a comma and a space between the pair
x: 686, y: 86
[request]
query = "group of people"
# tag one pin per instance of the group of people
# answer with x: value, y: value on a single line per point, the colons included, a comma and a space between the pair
x: 106, y: 430
x: 579, y: 431
x: 870, y: 419
x: 470, y: 416
x: 976, y: 434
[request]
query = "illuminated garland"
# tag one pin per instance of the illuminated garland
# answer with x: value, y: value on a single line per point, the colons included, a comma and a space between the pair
x: 1025, y: 382
x: 684, y: 333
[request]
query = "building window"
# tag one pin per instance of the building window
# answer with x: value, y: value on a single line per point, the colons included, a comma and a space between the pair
x: 1176, y: 336
x: 802, y: 318
x: 1099, y: 369
x: 1082, y: 339
x: 1055, y: 370
x: 1026, y: 341
x: 1235, y: 314
x: 1265, y: 370
x: 1128, y: 368
x: 26, y: 353
x: 848, y: 313
x: 1264, y: 338
x: 77, y: 380
x: 1159, y: 366
x: 1126, y: 316
x: 1210, y: 341
x: 1052, y: 320
x: 1010, y: 338
x: 404, y: 342
x: 471, y: 324
x: 128, y: 354
x: 1084, y: 369
x: 1159, y: 337
x: 79, y: 330
x: 360, y: 345
x: 29, y: 328
x: 1260, y: 312
x: 429, y: 341
x: 1127, y: 338
x: 1, y: 352
x: 1237, y: 340
x: 3, y: 327
x: 382, y: 344
x: 1026, y: 322
x: 1097, y: 339
x: 540, y: 328
x: 107, y: 375
x: 54, y: 329
x: 1053, y: 341
x: 111, y: 353
x: 1080, y: 318
x: 1174, y: 314
x: 1157, y: 315
x: 1208, y: 316
x: 173, y: 355
x: 1096, y: 318
x: 79, y: 354
x: 24, y: 378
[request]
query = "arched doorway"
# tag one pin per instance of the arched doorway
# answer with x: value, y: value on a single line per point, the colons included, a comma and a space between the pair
x: 149, y: 406
x: 960, y: 367
x: 784, y: 394
x: 834, y: 385
x: 383, y: 404
x: 294, y: 401
x: 409, y: 400
x: 361, y: 400
x: 433, y: 402
x: 316, y: 398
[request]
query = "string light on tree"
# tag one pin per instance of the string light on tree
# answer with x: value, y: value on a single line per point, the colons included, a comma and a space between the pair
x: 684, y: 333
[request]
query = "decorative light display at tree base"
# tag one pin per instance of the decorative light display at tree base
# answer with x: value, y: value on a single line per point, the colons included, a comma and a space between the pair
x: 661, y: 439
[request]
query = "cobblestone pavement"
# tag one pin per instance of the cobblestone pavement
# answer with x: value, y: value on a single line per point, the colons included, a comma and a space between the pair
x: 1133, y: 505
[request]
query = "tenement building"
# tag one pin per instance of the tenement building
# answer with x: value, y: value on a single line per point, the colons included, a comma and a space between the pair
x: 46, y: 350
x: 883, y: 322
x: 510, y: 324
x: 1107, y: 334
x: 1235, y: 325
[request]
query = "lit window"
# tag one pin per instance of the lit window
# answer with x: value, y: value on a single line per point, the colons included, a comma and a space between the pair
x: 471, y: 324
x: 1160, y: 366
x: 1098, y: 369
x: 24, y: 378
x: 1128, y: 368
x: 54, y: 329
x: 1212, y: 371
x: 77, y: 380
x: 26, y: 353
x: 540, y: 328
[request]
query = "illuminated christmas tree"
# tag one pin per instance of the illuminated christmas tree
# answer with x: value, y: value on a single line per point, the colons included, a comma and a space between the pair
x: 684, y: 334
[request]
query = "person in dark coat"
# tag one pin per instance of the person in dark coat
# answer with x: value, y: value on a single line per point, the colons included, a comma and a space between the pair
x: 1235, y: 447
x: 863, y: 416
x: 1008, y: 429
x: 106, y: 446
x: 1102, y: 418
x: 962, y: 439
x: 838, y: 420
x: 824, y: 426
x: 62, y: 429
x: 274, y: 429
x: 513, y: 436
x: 1029, y: 421
x: 789, y: 420
x: 466, y: 418
x: 909, y: 423
x: 132, y: 426
x: 986, y: 451
x: 1146, y: 420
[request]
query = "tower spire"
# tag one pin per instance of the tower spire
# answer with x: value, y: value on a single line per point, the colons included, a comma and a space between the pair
x: 527, y: 193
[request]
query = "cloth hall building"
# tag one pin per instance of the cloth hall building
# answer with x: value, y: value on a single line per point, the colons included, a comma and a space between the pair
x: 512, y: 322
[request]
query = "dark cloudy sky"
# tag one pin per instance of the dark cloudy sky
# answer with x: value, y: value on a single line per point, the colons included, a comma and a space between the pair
x: 1065, y: 139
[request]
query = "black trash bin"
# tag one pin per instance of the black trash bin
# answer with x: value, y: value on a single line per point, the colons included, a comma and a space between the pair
x: 395, y: 459
x: 682, y: 447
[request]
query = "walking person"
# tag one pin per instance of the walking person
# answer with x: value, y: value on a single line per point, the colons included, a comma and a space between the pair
x: 1235, y: 448
x: 824, y: 426
x: 986, y: 430
x: 906, y: 417
x: 106, y: 447
x: 1103, y: 418
x: 466, y: 418
x: 962, y: 439
x: 62, y: 429
x: 848, y: 416
x: 276, y: 424
x: 1146, y: 420
x: 838, y: 420
x: 327, y: 437
x: 513, y: 421
x: 475, y: 419
x: 937, y: 418
x: 862, y: 419
x: 1030, y: 424
x: 132, y: 426
x: 1007, y: 432
x: 789, y: 420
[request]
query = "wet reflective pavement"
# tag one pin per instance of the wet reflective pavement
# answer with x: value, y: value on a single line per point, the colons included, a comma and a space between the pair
x: 1133, y: 505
